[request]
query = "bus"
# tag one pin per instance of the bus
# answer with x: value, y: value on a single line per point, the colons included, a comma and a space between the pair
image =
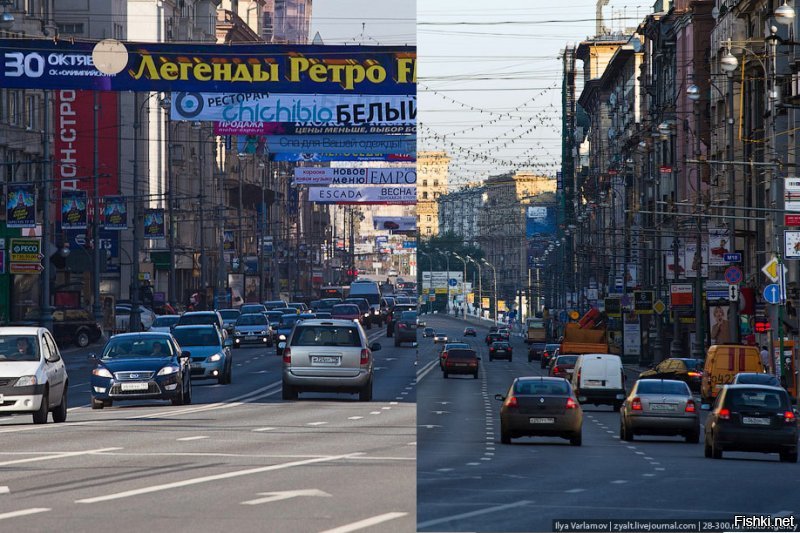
x: 334, y: 291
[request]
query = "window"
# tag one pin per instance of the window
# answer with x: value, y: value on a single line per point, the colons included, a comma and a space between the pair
x: 428, y: 230
x: 425, y: 195
x: 430, y: 218
x: 30, y: 112
x: 14, y: 107
x: 74, y: 28
x: 424, y: 183
x: 326, y: 336
x: 435, y: 183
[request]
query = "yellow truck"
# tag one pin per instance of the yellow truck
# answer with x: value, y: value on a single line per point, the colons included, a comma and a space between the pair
x: 588, y: 335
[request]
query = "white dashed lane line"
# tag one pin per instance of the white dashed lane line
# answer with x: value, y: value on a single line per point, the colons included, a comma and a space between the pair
x: 186, y: 439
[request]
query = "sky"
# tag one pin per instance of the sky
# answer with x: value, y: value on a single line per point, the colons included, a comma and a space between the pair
x: 489, y: 80
x: 385, y: 22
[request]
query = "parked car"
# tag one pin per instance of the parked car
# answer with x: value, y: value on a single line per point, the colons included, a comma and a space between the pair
x: 540, y: 406
x: 141, y: 366
x: 688, y: 370
x: 327, y: 356
x: 210, y: 355
x: 406, y: 328
x: 34, y: 379
x: 501, y: 350
x: 122, y: 314
x: 752, y: 418
x: 164, y: 323
x: 252, y: 328
x: 461, y: 361
x: 660, y: 407
x: 75, y: 326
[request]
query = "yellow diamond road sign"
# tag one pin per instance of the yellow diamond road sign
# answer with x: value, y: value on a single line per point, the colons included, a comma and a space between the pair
x: 771, y: 269
x: 659, y: 307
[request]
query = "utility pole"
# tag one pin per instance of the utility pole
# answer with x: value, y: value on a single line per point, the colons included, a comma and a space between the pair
x: 733, y: 322
x: 46, y: 318
x: 96, y: 248
x: 173, y: 224
x: 135, y: 319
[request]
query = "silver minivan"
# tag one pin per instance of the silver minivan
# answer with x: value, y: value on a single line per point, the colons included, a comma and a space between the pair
x: 328, y: 356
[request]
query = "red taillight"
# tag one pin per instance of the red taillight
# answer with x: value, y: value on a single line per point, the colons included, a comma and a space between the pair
x: 571, y: 404
x: 364, y: 356
x: 287, y: 355
x: 511, y: 401
x: 636, y: 404
x: 556, y: 369
x: 788, y: 416
x: 695, y: 374
x: 690, y: 407
x: 444, y: 355
x: 545, y: 354
x: 724, y: 414
x: 491, y: 349
x: 401, y: 326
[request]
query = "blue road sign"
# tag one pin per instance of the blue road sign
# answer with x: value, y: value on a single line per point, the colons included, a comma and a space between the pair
x: 453, y: 282
x: 733, y: 275
x: 772, y: 293
x: 732, y: 258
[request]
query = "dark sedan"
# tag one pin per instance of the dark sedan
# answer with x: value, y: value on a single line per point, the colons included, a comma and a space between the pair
x: 141, y: 366
x: 406, y: 328
x: 563, y: 366
x: 752, y: 418
x: 501, y: 349
x: 461, y: 361
x: 540, y: 407
x: 549, y: 352
x: 493, y: 337
x: 685, y: 369
x: 470, y: 332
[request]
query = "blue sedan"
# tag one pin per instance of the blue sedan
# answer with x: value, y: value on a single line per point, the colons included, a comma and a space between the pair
x: 210, y: 356
x: 141, y: 366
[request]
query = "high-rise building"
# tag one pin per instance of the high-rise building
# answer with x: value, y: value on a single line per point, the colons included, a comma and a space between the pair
x: 432, y: 177
x: 286, y: 21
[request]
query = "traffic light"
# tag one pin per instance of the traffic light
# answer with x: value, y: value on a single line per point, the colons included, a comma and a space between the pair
x: 762, y: 326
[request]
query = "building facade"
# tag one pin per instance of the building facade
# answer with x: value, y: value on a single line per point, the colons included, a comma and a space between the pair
x: 432, y: 178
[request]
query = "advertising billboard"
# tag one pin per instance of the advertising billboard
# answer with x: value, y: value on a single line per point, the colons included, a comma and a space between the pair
x: 363, y: 195
x: 355, y: 176
x: 540, y: 220
x: 304, y: 69
x: 342, y: 144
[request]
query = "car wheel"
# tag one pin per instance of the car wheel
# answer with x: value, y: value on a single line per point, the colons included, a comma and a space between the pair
x: 179, y: 399
x: 60, y: 412
x: 288, y: 392
x: 40, y: 416
x: 229, y: 376
x: 716, y: 449
x: 97, y: 404
x: 530, y: 359
x: 576, y: 440
x: 693, y: 437
x: 505, y: 436
x: 789, y: 456
x: 446, y: 375
x: 707, y: 449
x: 365, y: 394
x: 108, y: 403
x: 510, y: 359
x: 222, y: 379
x: 82, y: 338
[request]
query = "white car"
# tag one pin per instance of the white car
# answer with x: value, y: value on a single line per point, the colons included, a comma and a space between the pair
x: 34, y: 377
x: 164, y: 323
x: 123, y: 317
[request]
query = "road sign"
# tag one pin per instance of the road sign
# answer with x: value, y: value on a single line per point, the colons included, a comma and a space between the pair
x: 791, y: 220
x: 680, y: 294
x: 732, y: 258
x: 452, y: 282
x: 25, y: 268
x: 771, y: 269
x: 643, y: 302
x: 659, y: 307
x: 733, y: 275
x: 733, y: 293
x: 772, y: 293
x: 26, y: 250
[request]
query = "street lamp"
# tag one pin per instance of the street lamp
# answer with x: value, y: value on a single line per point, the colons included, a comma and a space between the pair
x: 480, y: 287
x: 430, y: 265
x: 446, y: 255
x: 494, y: 272
x: 464, y: 279
x: 698, y: 350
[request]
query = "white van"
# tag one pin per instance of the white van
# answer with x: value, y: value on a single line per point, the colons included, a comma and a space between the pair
x: 599, y: 379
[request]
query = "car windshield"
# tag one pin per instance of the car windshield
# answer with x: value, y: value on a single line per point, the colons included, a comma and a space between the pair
x: 456, y: 345
x: 743, y: 399
x: 288, y: 321
x: 19, y: 348
x: 323, y: 315
x: 229, y: 314
x: 429, y: 330
x: 662, y: 387
x: 408, y: 315
x: 252, y: 320
x: 551, y: 347
x: 252, y: 309
x: 500, y: 344
x: 194, y: 320
x: 543, y: 387
x: 196, y: 336
x: 345, y: 310
x: 693, y: 364
x: 274, y: 317
x: 566, y: 359
x: 326, y: 336
x: 758, y: 379
x: 165, y: 321
x: 136, y: 347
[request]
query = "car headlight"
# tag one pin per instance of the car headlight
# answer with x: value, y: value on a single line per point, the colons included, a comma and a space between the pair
x: 237, y: 333
x: 262, y: 332
x: 26, y: 381
x: 366, y: 315
x: 281, y: 337
x: 167, y: 370
x: 215, y: 357
x: 102, y: 372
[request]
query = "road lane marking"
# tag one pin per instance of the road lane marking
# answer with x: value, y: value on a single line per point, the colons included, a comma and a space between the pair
x: 56, y: 456
x: 619, y: 481
x: 285, y: 495
x: 648, y: 475
x: 355, y: 417
x: 24, y: 512
x: 187, y: 439
x: 473, y: 464
x: 471, y: 514
x: 316, y: 423
x: 230, y: 402
x: 4, y: 490
x: 375, y: 412
x: 660, y: 469
x: 263, y: 429
x: 215, y: 477
x: 367, y: 522
x: 444, y: 469
x: 639, y: 453
x: 385, y: 408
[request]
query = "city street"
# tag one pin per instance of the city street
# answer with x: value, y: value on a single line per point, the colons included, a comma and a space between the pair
x: 468, y: 481
x: 238, y: 459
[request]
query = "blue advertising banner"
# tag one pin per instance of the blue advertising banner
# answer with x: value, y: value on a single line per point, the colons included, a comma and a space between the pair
x: 109, y: 241
x: 20, y: 206
x: 115, y: 213
x: 301, y: 69
x: 339, y: 144
x: 303, y: 128
x: 539, y: 220
x: 323, y: 157
x: 73, y: 209
x: 154, y: 227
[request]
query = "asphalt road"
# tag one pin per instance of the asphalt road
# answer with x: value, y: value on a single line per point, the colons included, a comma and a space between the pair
x: 468, y: 481
x: 238, y: 459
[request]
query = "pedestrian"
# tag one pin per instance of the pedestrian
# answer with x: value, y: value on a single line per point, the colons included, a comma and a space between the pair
x: 765, y: 357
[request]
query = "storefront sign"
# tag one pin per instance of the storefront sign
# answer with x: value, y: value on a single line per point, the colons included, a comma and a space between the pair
x: 302, y: 128
x: 395, y: 223
x: 643, y: 302
x: 311, y: 157
x: 339, y: 144
x: 363, y: 195
x: 25, y: 250
x: 302, y: 69
x: 681, y: 295
x: 355, y: 176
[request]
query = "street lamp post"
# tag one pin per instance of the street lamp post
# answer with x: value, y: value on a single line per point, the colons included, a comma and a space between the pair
x: 480, y: 283
x: 46, y: 317
x: 430, y: 265
x: 494, y: 272
x: 464, y: 279
x: 698, y: 349
x: 96, y: 248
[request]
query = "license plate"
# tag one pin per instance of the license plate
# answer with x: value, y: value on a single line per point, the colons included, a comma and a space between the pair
x: 138, y: 385
x: 593, y: 383
x: 1, y: 398
x: 325, y: 360
x: 755, y: 421
x: 570, y: 370
x: 197, y: 365
x: 542, y: 420
x: 662, y: 407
